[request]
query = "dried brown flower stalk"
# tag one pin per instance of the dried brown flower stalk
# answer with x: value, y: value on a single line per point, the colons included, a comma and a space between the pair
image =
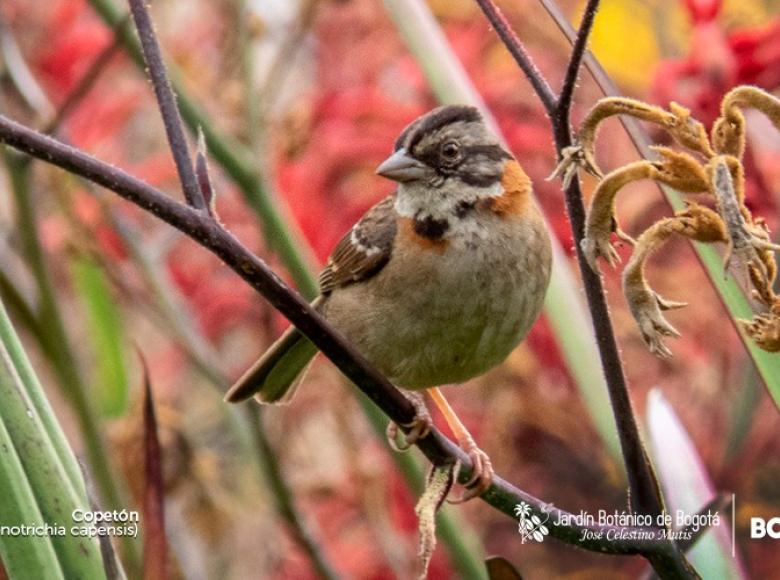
x: 713, y: 166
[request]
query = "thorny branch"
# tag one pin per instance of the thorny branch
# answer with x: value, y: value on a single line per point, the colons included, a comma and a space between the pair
x: 646, y: 495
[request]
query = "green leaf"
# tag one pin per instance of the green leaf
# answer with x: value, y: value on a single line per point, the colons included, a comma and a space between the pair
x: 105, y: 333
x: 36, y: 484
x: 22, y: 557
x: 21, y: 363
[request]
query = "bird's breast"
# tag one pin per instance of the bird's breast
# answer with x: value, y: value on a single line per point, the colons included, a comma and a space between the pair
x: 444, y: 310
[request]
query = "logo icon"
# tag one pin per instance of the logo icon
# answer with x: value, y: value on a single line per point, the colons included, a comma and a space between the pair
x: 530, y: 526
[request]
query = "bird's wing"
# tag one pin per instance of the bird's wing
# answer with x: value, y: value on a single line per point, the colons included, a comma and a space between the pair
x: 364, y: 250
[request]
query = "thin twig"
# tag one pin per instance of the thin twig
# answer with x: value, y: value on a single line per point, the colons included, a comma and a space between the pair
x: 563, y: 107
x: 209, y: 234
x: 646, y: 493
x: 167, y: 103
x: 518, y: 52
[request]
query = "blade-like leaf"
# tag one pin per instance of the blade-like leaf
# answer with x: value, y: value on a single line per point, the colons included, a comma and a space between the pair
x: 687, y: 487
x: 105, y: 332
x: 155, y: 543
x: 22, y: 557
x: 37, y: 487
x: 21, y: 362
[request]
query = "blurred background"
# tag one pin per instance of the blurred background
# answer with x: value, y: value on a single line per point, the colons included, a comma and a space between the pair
x: 310, y: 96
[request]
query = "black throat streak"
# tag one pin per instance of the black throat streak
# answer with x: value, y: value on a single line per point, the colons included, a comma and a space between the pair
x: 464, y: 208
x: 431, y: 229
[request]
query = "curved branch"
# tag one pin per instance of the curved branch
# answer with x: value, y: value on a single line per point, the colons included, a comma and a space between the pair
x: 207, y: 232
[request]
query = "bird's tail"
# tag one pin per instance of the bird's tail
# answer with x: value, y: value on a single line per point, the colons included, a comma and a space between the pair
x: 274, y: 377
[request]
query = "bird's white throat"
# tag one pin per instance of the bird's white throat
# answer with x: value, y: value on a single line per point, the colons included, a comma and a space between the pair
x: 418, y: 200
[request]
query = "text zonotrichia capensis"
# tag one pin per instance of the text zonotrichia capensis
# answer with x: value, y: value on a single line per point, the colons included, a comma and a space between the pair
x: 438, y: 282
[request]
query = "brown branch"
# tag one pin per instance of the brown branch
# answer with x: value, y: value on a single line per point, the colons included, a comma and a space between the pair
x: 206, y: 231
x: 646, y: 495
x: 563, y: 107
x: 167, y: 102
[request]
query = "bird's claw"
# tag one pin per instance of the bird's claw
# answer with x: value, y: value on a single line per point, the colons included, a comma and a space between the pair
x: 415, y: 430
x: 481, y: 473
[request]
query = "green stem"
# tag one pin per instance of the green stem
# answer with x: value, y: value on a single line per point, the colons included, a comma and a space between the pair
x: 284, y: 498
x: 58, y: 347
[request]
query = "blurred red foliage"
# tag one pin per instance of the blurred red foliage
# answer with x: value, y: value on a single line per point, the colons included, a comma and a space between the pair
x: 717, y: 61
x: 324, y: 152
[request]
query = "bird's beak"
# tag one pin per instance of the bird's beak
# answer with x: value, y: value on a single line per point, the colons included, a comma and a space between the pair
x: 401, y: 167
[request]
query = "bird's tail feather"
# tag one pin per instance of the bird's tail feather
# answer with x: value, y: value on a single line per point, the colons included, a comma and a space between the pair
x: 274, y: 377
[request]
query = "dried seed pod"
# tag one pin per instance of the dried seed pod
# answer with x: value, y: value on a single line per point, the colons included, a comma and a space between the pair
x: 747, y: 244
x: 696, y: 222
x: 764, y: 329
x: 676, y: 169
x: 728, y: 132
x: 750, y: 251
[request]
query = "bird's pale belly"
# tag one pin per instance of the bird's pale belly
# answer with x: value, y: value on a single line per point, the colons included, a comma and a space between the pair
x: 454, y: 313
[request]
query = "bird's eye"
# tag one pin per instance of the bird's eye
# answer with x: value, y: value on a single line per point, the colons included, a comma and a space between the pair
x: 450, y: 151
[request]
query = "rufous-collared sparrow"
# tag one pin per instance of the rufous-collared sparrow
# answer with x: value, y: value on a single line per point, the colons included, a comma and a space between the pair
x: 438, y: 282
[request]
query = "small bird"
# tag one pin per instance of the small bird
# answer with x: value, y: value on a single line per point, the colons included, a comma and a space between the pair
x: 438, y: 282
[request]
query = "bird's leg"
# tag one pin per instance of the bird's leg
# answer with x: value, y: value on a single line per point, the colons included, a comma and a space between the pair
x: 418, y: 428
x: 482, y: 468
